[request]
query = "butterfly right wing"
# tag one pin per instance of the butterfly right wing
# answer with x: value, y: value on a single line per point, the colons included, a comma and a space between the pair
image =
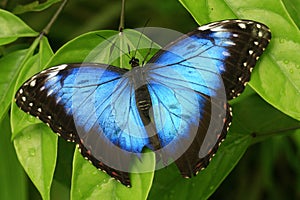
x: 190, y: 81
x: 92, y: 105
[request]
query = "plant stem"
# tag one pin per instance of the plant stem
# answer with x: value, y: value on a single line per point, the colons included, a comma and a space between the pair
x: 121, y: 26
x: 49, y: 25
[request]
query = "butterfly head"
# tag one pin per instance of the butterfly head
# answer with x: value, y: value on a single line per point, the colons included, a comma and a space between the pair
x: 134, y: 62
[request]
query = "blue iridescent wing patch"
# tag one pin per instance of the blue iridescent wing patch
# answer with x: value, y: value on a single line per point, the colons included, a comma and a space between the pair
x: 176, y: 105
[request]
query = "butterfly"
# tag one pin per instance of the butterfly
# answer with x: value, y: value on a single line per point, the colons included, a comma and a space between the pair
x: 176, y: 105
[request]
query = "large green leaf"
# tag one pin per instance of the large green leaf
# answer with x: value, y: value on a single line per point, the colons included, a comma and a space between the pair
x: 12, y: 28
x: 9, y: 72
x: 89, y: 183
x: 36, y: 148
x: 11, y: 173
x: 293, y: 7
x: 35, y: 144
x: 34, y: 64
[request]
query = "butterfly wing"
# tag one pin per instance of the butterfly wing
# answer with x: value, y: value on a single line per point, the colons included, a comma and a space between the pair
x: 191, y: 80
x: 92, y: 105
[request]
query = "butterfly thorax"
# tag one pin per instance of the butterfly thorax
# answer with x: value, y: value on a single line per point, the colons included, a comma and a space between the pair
x: 134, y: 62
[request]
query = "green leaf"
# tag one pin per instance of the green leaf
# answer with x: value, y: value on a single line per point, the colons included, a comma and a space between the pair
x: 21, y: 120
x: 278, y: 62
x: 247, y: 119
x: 36, y: 148
x: 45, y: 52
x: 35, y: 144
x: 293, y: 7
x: 11, y: 173
x: 90, y: 183
x: 105, y: 46
x: 34, y: 6
x: 9, y: 72
x: 12, y: 28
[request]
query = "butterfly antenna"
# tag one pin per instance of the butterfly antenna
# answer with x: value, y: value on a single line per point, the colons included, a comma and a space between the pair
x: 145, y: 58
x: 113, y: 45
x: 142, y: 33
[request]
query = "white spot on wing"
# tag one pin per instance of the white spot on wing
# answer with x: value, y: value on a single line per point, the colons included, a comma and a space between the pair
x: 23, y: 98
x: 61, y: 67
x: 225, y: 53
x: 230, y: 43
x: 58, y: 100
x: 32, y: 83
x: 242, y: 25
x: 49, y: 92
x: 258, y: 26
x: 52, y: 74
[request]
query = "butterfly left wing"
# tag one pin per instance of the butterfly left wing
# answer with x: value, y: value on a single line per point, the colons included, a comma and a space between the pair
x: 191, y: 80
x: 92, y: 105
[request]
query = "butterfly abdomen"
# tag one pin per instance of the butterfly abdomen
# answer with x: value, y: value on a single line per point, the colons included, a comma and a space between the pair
x: 144, y: 106
x: 143, y: 102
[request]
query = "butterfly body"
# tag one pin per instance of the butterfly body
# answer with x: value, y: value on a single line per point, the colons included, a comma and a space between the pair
x: 175, y: 105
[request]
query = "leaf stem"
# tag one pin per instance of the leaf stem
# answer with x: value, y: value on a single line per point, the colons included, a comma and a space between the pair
x: 275, y: 132
x: 51, y: 22
x: 121, y: 26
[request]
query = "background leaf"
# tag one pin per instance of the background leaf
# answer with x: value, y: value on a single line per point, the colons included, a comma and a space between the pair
x: 12, y: 28
x: 9, y: 68
x: 11, y: 173
x: 34, y: 6
x: 35, y: 144
x: 36, y: 149
x: 89, y: 183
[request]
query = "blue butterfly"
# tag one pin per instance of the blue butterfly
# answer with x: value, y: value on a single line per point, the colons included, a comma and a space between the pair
x: 176, y: 105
